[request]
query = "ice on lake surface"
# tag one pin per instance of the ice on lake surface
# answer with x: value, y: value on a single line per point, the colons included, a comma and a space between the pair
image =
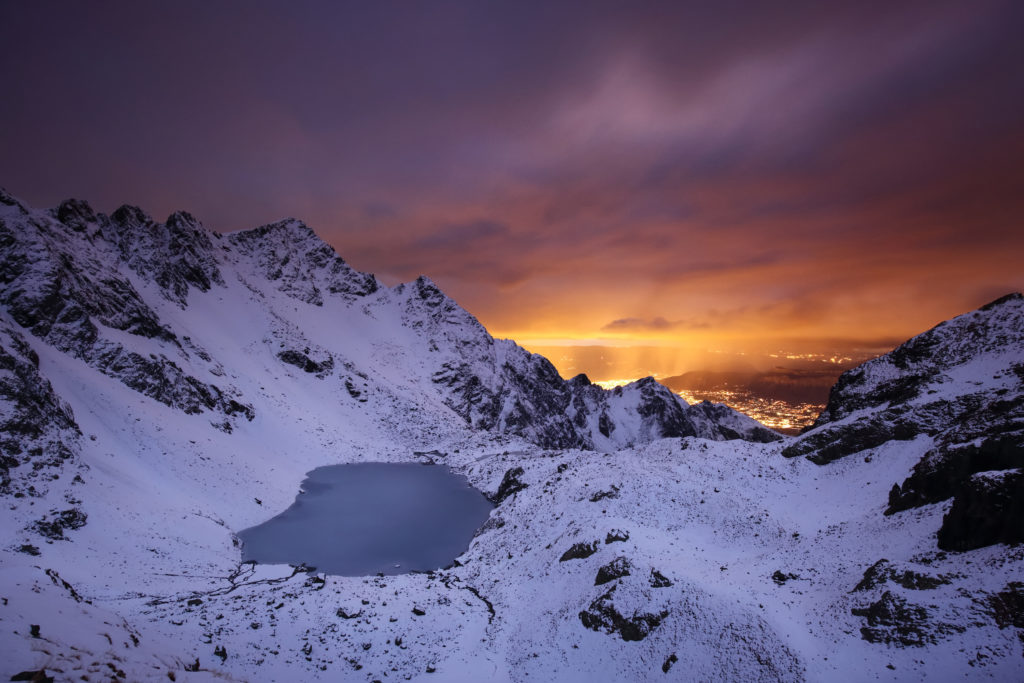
x: 368, y: 518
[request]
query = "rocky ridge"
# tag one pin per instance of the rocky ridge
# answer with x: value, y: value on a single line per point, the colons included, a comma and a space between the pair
x: 961, y: 384
x: 74, y: 278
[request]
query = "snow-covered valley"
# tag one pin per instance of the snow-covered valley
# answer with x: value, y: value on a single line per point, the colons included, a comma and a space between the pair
x: 164, y: 387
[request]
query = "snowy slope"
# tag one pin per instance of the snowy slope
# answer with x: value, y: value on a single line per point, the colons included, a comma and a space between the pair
x: 162, y: 387
x: 962, y: 384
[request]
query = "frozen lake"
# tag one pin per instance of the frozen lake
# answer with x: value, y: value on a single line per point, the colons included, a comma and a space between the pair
x: 366, y: 518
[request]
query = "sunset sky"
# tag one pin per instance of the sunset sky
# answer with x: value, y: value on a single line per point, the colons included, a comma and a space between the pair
x: 746, y: 176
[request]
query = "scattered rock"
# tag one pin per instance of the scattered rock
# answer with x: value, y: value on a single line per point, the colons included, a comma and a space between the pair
x: 346, y: 615
x: 307, y: 364
x: 780, y: 577
x: 672, y: 659
x: 1008, y: 605
x: 613, y: 492
x: 659, y: 580
x: 53, y: 525
x: 616, y: 535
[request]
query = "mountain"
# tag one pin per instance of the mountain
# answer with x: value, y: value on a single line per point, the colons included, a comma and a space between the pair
x: 163, y: 387
x: 103, y: 288
x: 962, y: 385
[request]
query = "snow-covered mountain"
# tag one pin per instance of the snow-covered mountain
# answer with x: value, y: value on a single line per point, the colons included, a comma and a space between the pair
x: 960, y: 384
x: 163, y: 386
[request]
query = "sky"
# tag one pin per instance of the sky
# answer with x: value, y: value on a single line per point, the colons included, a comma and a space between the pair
x: 741, y: 176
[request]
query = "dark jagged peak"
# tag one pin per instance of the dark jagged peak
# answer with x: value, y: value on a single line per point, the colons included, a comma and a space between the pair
x: 427, y: 306
x: 181, y: 221
x: 64, y: 287
x: 580, y: 380
x: 292, y: 255
x: 58, y: 285
x: 7, y: 199
x: 77, y: 214
x: 428, y: 290
x: 128, y: 216
x: 1010, y: 298
x: 176, y: 255
x: 286, y: 229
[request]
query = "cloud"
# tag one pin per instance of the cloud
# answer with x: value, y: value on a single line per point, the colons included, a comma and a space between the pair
x: 468, y: 236
x: 657, y: 324
x: 761, y: 168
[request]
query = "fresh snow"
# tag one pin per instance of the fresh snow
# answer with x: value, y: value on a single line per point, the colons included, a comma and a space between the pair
x: 153, y: 582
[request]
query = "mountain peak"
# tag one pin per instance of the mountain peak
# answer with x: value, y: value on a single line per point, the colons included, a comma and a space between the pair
x: 7, y: 199
x: 130, y: 216
x: 75, y: 213
x: 1005, y: 299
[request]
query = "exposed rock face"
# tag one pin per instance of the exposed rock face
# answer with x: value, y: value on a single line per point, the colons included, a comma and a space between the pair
x: 911, y: 369
x: 883, y: 572
x: 894, y: 620
x: 61, y: 279
x: 989, y: 436
x: 510, y: 484
x: 615, y: 569
x: 321, y: 369
x: 53, y: 525
x: 579, y: 551
x: 37, y: 429
x: 290, y: 254
x: 962, y: 384
x: 1008, y: 606
x: 616, y: 536
x: 177, y: 255
x: 987, y: 509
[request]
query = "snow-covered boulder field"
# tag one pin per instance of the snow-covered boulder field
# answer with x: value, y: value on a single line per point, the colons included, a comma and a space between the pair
x: 163, y: 387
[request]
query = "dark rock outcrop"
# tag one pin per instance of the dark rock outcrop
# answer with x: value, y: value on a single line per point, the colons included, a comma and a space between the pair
x: 510, y: 484
x: 893, y: 620
x: 38, y: 433
x: 1007, y: 606
x: 615, y: 569
x: 603, y: 615
x: 616, y: 535
x: 302, y: 361
x: 56, y: 523
x: 883, y: 571
x: 987, y: 509
x: 579, y: 551
x: 658, y: 580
